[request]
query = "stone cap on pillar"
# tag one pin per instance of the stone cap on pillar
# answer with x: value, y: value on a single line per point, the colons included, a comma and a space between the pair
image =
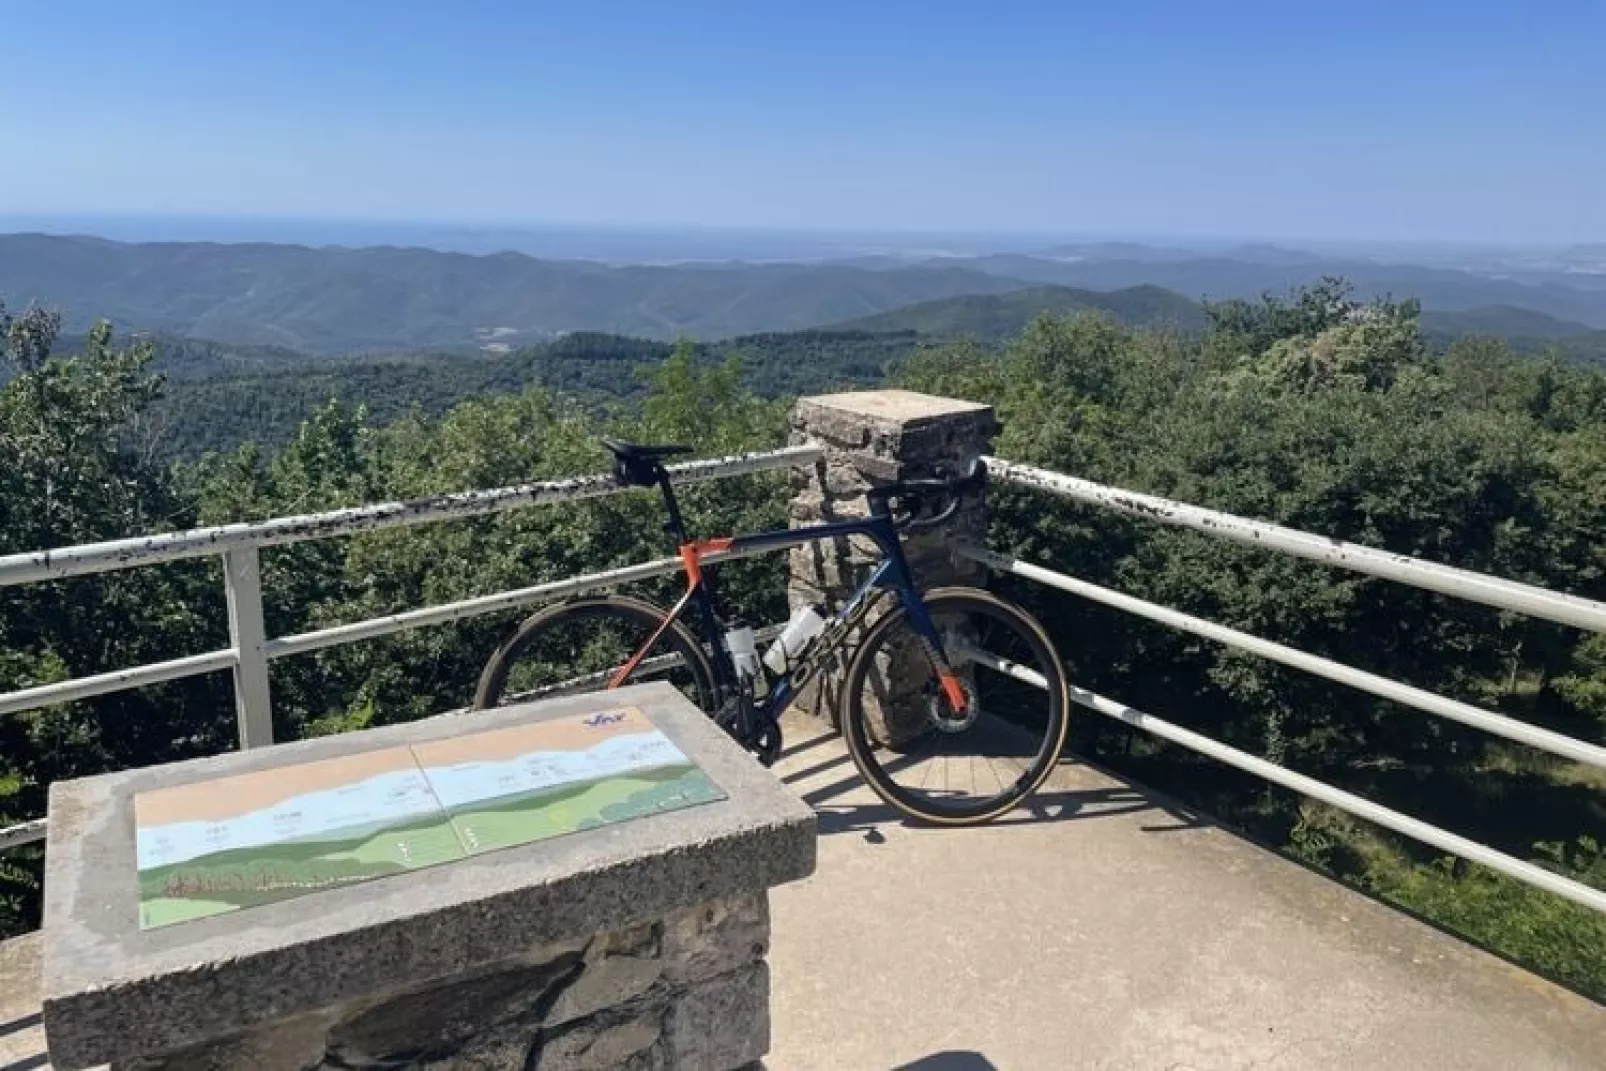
x: 113, y: 991
x: 890, y: 434
x: 856, y: 415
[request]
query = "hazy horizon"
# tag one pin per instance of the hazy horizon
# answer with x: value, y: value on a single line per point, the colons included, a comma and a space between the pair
x: 632, y: 243
x: 1420, y: 124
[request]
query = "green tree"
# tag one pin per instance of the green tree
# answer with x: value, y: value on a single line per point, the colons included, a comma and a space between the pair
x: 1332, y: 416
x: 71, y: 476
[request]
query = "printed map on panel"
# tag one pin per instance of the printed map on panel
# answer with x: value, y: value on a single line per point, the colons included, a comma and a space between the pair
x: 219, y: 846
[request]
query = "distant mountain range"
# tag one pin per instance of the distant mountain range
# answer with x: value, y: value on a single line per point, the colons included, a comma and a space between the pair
x: 1504, y: 321
x: 386, y: 299
x: 1580, y: 297
x: 990, y: 317
x: 336, y: 300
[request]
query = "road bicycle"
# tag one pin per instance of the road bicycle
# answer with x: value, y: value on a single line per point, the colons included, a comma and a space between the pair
x: 952, y: 702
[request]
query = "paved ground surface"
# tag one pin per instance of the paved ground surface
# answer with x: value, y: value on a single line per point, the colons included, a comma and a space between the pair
x: 22, y: 1040
x: 1105, y: 931
x: 1102, y: 931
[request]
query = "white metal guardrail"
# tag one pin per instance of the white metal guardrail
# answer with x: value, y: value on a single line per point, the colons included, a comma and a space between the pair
x: 25, y: 833
x: 1447, y: 580
x: 1505, y: 594
x: 250, y: 649
x: 239, y: 545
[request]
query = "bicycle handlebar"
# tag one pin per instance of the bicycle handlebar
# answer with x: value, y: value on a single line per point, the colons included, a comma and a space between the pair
x: 912, y: 497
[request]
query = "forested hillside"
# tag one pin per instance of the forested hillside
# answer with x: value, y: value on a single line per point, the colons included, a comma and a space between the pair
x: 1568, y: 295
x: 993, y: 317
x: 336, y: 301
x: 267, y: 404
x: 1317, y: 412
x: 1335, y: 418
x: 339, y: 301
x: 220, y: 395
x: 996, y: 317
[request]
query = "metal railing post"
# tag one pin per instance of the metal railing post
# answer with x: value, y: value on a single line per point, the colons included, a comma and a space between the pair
x: 253, y: 703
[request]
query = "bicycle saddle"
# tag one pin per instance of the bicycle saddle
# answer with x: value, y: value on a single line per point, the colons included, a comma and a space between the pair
x: 637, y: 452
x: 637, y: 465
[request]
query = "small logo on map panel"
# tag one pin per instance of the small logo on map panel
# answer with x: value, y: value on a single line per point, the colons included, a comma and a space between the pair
x: 598, y: 720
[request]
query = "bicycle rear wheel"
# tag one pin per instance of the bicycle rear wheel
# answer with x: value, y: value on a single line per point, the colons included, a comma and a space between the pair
x: 954, y: 766
x: 581, y: 646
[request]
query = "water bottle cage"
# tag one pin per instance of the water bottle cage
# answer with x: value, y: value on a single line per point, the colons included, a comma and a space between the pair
x: 802, y: 655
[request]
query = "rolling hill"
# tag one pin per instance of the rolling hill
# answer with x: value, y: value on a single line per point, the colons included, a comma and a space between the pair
x: 1580, y: 297
x: 266, y: 404
x: 993, y: 317
x: 336, y: 300
x: 990, y: 317
x: 1504, y: 321
x: 386, y: 299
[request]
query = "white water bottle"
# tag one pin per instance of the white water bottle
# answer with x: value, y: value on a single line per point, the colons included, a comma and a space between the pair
x: 744, y: 652
x: 806, y: 624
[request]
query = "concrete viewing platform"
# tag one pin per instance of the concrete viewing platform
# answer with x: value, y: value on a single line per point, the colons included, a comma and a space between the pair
x: 1102, y: 929
x: 1106, y: 929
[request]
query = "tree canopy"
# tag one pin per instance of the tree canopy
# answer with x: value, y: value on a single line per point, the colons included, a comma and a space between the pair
x: 1316, y: 411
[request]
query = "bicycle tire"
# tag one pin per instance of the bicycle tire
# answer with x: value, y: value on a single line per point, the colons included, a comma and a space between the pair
x: 856, y: 727
x: 638, y: 618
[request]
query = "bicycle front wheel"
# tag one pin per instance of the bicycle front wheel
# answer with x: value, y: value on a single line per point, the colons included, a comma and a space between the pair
x: 956, y: 765
x: 582, y: 646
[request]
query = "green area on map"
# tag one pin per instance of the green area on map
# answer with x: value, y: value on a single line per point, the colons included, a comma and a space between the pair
x: 221, y: 846
x: 245, y: 877
x: 519, y: 819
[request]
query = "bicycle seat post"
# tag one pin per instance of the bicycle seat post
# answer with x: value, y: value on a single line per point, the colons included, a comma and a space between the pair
x: 675, y: 525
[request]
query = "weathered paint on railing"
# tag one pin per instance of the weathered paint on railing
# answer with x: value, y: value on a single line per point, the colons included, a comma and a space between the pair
x: 231, y: 540
x: 25, y: 833
x: 1498, y: 724
x: 119, y: 680
x: 484, y: 604
x: 238, y: 546
x: 1475, y: 587
x: 253, y: 702
x: 1414, y: 828
x: 34, y: 566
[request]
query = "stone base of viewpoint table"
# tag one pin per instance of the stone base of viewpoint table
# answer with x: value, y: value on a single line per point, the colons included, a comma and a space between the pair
x: 487, y: 891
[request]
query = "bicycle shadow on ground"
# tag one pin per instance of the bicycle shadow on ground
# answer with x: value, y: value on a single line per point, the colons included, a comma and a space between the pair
x: 26, y: 1060
x: 1047, y: 805
x: 25, y: 1022
x: 819, y: 752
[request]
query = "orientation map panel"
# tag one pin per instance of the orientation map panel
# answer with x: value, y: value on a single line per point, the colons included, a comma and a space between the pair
x: 236, y: 842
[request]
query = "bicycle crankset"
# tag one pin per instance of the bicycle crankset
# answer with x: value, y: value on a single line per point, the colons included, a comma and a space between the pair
x: 765, y: 743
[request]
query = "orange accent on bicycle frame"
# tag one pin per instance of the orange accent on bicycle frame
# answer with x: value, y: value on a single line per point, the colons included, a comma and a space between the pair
x: 954, y: 689
x: 691, y: 555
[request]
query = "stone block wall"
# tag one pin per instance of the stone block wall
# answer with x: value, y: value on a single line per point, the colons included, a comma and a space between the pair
x: 689, y: 991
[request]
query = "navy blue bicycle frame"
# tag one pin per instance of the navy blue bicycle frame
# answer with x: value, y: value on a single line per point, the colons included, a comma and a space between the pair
x: 890, y: 574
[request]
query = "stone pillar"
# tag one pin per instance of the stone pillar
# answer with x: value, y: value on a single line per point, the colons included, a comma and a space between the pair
x: 873, y: 438
x: 637, y: 945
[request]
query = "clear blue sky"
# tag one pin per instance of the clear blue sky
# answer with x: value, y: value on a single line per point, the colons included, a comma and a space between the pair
x: 1408, y: 119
